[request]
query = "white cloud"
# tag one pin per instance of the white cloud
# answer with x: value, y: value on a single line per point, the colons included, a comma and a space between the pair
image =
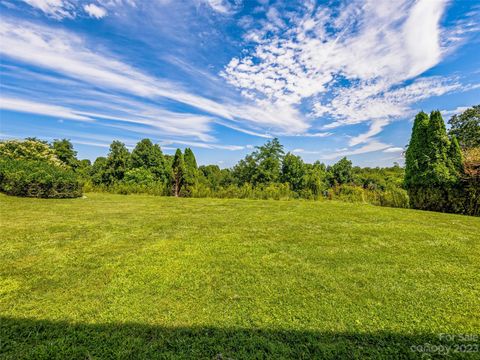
x: 221, y: 6
x: 449, y: 113
x: 72, y: 56
x: 31, y: 107
x: 394, y: 150
x: 372, y: 146
x: 375, y: 128
x: 360, y: 64
x: 315, y: 134
x: 57, y: 9
x: 305, y: 152
x: 204, y: 145
x: 95, y: 11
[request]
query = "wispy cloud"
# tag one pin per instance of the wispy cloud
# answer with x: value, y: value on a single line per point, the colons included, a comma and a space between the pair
x: 449, y: 113
x: 32, y: 107
x: 205, y: 145
x: 394, y: 150
x: 352, y: 64
x: 57, y: 9
x: 222, y: 6
x: 71, y: 56
x: 372, y: 146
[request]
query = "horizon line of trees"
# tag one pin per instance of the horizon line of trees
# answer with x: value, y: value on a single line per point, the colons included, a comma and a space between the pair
x: 438, y: 171
x: 265, y: 173
x: 267, y: 165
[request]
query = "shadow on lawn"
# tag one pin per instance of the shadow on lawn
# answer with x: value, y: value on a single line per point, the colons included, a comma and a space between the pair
x: 37, y: 339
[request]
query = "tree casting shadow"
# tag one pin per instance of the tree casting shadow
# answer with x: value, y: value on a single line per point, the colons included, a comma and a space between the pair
x: 40, y: 339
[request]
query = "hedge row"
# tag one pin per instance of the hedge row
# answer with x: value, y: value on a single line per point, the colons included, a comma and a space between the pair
x: 40, y: 179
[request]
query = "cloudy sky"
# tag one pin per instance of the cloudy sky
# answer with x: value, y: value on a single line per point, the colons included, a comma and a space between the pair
x: 329, y: 78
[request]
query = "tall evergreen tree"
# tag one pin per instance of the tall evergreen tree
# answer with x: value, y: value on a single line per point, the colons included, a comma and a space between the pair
x: 455, y: 155
x: 433, y: 165
x: 191, y: 170
x: 439, y: 168
x: 178, y: 172
x: 416, y: 158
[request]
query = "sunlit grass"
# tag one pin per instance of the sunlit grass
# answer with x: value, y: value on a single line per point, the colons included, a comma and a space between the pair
x: 121, y: 276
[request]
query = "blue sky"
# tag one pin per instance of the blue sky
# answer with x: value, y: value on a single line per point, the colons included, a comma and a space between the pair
x: 329, y: 78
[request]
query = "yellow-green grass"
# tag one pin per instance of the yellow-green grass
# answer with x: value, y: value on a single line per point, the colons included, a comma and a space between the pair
x: 112, y: 276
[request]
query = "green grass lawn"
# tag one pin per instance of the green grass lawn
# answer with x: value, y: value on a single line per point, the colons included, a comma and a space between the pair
x: 112, y: 276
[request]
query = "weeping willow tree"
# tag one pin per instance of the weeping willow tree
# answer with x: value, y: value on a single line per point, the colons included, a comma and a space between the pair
x: 434, y: 166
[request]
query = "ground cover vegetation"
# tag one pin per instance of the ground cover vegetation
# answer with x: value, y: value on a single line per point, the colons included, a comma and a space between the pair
x: 120, y: 277
x: 441, y: 173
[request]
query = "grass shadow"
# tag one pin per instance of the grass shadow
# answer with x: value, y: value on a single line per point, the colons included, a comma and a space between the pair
x: 40, y: 339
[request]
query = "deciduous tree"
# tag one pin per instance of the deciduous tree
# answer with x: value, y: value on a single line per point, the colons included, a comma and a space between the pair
x: 466, y: 127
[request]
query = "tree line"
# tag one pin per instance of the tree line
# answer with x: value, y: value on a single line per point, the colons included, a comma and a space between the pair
x: 440, y: 172
x: 267, y: 172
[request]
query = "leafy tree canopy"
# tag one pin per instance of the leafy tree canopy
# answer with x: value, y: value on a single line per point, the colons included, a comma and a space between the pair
x: 118, y: 161
x: 293, y: 171
x: 65, y: 152
x: 341, y: 172
x: 466, y: 127
x: 149, y: 156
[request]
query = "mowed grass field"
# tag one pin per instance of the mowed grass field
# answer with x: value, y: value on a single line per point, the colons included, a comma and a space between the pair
x: 125, y: 277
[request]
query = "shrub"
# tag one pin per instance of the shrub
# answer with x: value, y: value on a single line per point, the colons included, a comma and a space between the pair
x: 29, y: 149
x: 347, y: 193
x: 37, y: 179
x: 471, y: 182
x: 155, y: 188
x: 201, y: 191
x: 394, y: 197
x: 139, y: 176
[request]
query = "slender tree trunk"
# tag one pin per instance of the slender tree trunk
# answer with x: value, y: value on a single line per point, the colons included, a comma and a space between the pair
x: 176, y: 186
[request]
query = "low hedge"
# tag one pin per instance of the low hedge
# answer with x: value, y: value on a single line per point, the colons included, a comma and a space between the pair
x: 40, y: 179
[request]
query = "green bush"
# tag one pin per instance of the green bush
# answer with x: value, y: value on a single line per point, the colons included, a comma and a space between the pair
x: 348, y: 193
x: 29, y: 150
x: 139, y: 176
x: 394, y: 197
x: 41, y: 179
x: 391, y: 197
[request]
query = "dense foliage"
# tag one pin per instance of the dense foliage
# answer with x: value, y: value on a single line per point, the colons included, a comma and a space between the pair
x: 35, y: 178
x: 438, y: 174
x: 33, y: 168
x: 29, y: 150
x: 466, y: 127
x: 434, y: 174
x: 266, y: 173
